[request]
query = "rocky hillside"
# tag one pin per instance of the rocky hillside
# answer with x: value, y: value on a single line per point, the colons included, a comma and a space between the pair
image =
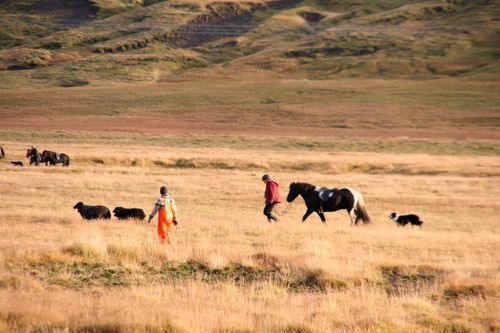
x: 79, y: 42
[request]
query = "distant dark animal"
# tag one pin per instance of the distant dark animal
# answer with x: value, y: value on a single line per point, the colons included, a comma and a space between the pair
x: 92, y: 212
x: 129, y: 213
x: 34, y: 159
x: 2, y: 152
x: 402, y: 220
x: 319, y: 200
x: 63, y: 159
x: 49, y: 157
x: 17, y: 163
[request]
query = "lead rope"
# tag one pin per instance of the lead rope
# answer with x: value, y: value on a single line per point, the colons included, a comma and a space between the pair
x: 284, y: 211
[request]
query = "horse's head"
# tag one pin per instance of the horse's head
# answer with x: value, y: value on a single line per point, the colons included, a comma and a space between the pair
x: 293, y: 193
x: 28, y: 152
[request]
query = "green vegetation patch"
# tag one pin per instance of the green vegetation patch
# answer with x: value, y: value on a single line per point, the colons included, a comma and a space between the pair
x: 315, y: 280
x: 460, y: 291
x: 400, y: 279
x: 15, y: 322
x: 295, y: 328
x: 307, y: 281
x: 80, y: 274
x: 236, y: 272
x: 87, y: 270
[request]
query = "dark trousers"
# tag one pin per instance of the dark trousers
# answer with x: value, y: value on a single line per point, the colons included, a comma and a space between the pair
x: 268, y: 211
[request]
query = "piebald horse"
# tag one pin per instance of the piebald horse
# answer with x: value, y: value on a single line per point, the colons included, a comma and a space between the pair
x: 336, y: 199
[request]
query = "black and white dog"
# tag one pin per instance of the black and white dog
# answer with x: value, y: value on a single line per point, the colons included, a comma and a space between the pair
x: 17, y: 163
x: 402, y: 220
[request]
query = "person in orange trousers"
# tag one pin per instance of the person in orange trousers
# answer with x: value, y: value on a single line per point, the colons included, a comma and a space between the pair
x: 167, y: 214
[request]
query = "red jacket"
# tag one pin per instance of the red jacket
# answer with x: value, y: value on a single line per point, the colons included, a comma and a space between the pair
x: 272, y: 194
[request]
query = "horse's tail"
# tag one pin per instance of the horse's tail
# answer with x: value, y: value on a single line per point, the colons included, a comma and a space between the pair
x: 361, y: 211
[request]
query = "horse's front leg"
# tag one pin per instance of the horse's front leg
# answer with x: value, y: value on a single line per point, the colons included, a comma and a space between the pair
x: 306, y: 215
x: 322, y: 217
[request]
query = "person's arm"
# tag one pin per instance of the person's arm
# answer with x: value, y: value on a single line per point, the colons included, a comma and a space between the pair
x: 174, y: 210
x: 156, y: 207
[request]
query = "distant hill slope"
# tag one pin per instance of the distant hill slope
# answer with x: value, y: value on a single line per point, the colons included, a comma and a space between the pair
x: 79, y: 42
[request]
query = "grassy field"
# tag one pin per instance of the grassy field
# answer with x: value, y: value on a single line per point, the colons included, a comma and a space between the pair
x: 397, y: 99
x: 231, y: 271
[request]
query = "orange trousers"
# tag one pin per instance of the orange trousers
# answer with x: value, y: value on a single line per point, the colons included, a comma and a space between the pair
x: 164, y: 225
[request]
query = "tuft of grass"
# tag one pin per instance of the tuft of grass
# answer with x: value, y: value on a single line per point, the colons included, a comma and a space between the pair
x: 82, y: 250
x: 266, y: 260
x: 71, y: 81
x: 10, y: 281
x: 24, y: 58
x: 401, y: 279
x: 295, y: 328
x: 65, y: 221
x: 183, y: 163
x: 161, y: 163
x: 122, y: 252
x: 41, y: 220
x: 459, y: 291
x: 315, y: 281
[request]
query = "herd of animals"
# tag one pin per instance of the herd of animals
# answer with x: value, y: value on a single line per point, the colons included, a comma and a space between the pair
x: 93, y: 212
x: 48, y: 157
x: 89, y: 212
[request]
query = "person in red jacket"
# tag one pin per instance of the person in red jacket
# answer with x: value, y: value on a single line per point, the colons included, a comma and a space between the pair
x: 272, y: 196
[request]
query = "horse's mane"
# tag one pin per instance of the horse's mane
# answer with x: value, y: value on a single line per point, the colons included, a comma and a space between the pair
x: 304, y: 186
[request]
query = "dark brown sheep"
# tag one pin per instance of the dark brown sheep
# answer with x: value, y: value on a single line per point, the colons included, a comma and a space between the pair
x: 92, y: 212
x: 129, y: 213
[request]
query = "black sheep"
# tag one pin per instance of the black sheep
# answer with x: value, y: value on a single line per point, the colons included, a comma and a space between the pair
x: 129, y: 213
x: 92, y: 212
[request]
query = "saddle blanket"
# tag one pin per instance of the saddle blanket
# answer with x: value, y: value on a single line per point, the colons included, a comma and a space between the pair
x: 324, y: 193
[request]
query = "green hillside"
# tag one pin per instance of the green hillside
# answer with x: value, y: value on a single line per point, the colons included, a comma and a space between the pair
x: 79, y: 42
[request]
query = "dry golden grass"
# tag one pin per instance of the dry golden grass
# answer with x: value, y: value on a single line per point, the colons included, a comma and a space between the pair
x: 230, y: 270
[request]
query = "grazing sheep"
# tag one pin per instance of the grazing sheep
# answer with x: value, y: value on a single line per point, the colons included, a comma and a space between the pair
x: 402, y: 220
x: 63, y: 159
x: 129, y: 213
x: 92, y: 212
